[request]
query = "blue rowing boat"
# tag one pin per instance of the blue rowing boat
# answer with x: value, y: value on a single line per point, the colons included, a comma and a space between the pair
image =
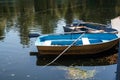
x: 80, y: 26
x: 78, y: 43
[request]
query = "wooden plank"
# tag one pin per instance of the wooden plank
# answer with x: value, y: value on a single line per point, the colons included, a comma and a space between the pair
x: 116, y: 23
x: 118, y: 65
x: 85, y: 41
x: 47, y: 43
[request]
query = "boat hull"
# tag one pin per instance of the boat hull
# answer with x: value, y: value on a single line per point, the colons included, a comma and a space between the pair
x: 78, y: 50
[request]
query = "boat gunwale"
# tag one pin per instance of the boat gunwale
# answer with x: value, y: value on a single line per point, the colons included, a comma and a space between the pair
x: 37, y: 41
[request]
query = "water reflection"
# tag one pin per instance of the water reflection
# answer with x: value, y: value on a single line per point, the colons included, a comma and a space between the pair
x: 42, y: 16
x: 109, y: 57
x: 76, y: 73
x: 78, y: 61
x: 2, y: 27
x: 82, y: 67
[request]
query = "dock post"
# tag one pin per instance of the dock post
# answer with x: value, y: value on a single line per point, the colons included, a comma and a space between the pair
x: 116, y: 25
x: 118, y: 64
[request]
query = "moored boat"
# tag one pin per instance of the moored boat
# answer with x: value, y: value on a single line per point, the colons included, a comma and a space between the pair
x: 78, y: 43
x: 80, y: 26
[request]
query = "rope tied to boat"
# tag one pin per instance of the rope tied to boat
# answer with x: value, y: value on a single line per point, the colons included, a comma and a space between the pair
x: 65, y: 50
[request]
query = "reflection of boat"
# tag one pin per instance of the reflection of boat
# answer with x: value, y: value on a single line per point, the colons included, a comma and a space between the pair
x: 74, y: 66
x: 77, y: 43
x: 109, y: 58
x: 88, y: 27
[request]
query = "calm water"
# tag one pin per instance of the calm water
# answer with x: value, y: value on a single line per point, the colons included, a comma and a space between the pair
x: 18, y: 18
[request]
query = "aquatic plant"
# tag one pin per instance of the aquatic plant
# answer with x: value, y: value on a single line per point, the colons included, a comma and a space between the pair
x: 74, y: 73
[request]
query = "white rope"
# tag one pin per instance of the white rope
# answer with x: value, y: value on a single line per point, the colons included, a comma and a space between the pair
x: 64, y: 50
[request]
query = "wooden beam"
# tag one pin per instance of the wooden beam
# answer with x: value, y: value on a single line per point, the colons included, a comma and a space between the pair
x: 116, y: 23
x: 118, y: 65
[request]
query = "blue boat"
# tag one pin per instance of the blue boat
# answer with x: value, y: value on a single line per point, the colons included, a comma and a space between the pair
x: 80, y: 26
x: 76, y: 43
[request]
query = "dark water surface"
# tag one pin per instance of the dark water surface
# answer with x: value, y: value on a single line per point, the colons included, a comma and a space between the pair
x: 18, y: 18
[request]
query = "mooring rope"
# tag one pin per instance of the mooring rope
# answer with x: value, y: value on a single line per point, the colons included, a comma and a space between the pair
x: 64, y: 50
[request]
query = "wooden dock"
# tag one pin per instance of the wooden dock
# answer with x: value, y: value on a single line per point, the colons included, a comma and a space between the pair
x: 118, y: 65
x: 116, y: 24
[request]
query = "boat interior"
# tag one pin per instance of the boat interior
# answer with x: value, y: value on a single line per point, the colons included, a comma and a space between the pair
x: 68, y: 39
